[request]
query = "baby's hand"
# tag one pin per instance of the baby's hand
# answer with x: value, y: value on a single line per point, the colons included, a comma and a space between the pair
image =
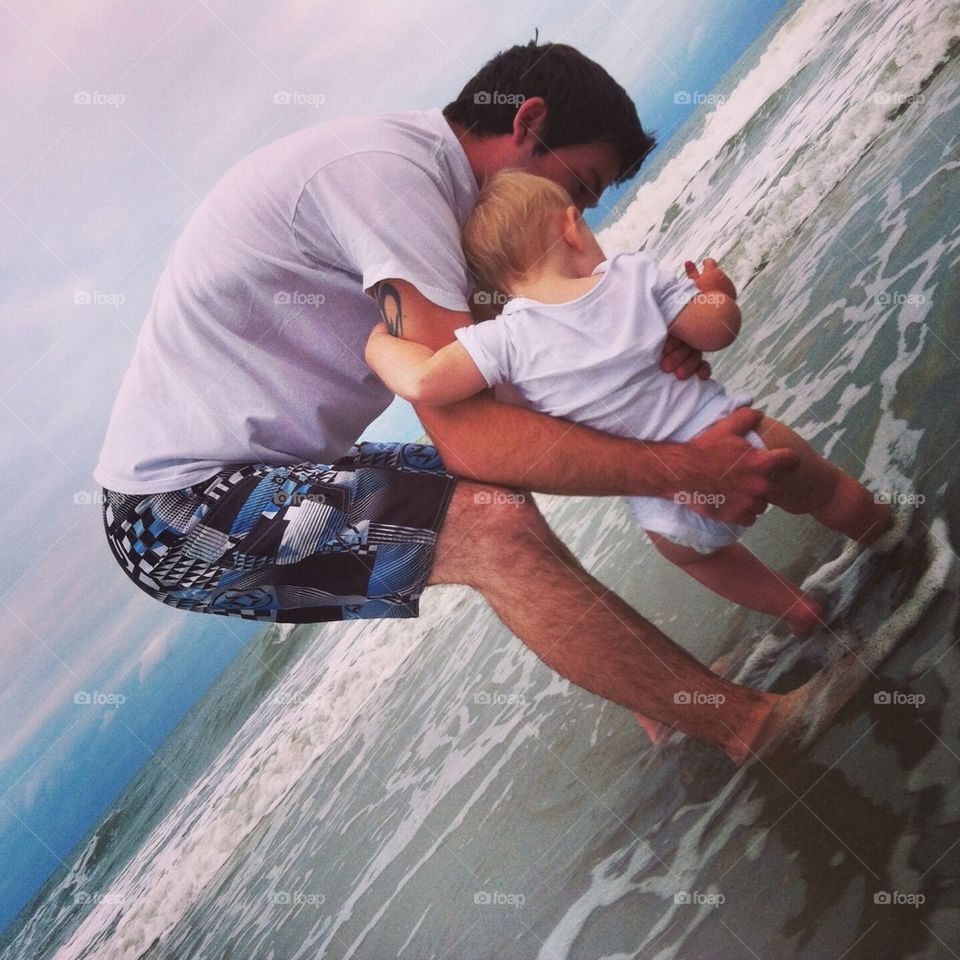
x: 712, y: 279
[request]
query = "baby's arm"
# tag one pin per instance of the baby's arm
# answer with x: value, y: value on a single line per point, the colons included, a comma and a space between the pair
x: 711, y: 320
x: 413, y: 371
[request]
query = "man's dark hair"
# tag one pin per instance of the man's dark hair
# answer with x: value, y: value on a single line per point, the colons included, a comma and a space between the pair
x: 584, y: 103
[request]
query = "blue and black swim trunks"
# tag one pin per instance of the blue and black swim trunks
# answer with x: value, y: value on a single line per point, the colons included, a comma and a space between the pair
x: 306, y: 543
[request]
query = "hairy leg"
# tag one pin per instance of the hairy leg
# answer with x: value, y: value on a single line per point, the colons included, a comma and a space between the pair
x: 505, y: 549
x: 824, y: 491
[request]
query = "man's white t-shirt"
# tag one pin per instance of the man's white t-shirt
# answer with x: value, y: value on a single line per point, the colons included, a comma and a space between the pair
x: 595, y: 360
x: 252, y: 350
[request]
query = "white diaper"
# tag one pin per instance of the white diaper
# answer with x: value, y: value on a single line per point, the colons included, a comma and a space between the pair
x: 675, y: 521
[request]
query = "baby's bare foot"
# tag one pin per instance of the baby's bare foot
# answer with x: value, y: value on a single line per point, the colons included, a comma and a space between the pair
x: 656, y: 730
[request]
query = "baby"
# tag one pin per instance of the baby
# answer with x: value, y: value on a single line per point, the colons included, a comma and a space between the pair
x: 581, y: 338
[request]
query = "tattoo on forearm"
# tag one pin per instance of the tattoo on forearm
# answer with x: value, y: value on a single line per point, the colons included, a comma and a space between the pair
x: 388, y: 297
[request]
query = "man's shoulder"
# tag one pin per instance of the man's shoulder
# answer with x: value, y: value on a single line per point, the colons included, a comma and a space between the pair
x: 413, y: 134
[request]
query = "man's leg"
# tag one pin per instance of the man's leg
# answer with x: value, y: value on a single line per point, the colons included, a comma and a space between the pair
x: 584, y: 631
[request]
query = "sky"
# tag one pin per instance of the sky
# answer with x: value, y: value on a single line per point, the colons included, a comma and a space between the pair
x: 118, y: 118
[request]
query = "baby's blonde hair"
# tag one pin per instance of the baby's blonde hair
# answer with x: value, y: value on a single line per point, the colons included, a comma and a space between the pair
x: 511, y: 226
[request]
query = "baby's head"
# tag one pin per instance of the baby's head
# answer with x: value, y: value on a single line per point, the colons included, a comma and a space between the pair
x: 517, y: 228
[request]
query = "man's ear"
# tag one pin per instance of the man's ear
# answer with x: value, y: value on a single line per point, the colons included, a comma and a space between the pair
x: 529, y: 120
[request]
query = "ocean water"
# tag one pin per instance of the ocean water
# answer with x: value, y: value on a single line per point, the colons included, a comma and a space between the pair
x: 430, y: 789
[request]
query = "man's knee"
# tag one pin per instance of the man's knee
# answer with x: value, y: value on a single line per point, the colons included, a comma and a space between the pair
x: 486, y: 508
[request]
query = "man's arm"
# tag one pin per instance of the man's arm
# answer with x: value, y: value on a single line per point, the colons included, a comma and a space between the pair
x: 481, y: 439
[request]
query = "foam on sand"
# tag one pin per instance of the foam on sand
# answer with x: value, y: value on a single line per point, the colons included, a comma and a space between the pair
x: 850, y: 661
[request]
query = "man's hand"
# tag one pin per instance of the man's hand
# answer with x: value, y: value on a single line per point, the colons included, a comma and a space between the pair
x: 740, y: 477
x: 712, y: 279
x: 681, y: 359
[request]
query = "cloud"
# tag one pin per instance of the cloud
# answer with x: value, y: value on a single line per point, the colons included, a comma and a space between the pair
x: 156, y: 650
x: 696, y: 38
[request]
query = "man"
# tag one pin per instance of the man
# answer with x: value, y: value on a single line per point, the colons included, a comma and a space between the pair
x: 231, y: 483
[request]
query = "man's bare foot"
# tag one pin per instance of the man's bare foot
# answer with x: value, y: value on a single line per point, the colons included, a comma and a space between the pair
x: 799, y: 716
x: 804, y: 616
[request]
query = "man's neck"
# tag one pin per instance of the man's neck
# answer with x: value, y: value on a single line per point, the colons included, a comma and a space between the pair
x: 484, y: 154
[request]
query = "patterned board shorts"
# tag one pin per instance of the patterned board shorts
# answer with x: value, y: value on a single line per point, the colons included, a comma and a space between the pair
x: 306, y: 543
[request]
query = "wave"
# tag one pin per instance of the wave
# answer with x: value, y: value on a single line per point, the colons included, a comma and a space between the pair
x: 855, y: 68
x: 279, y: 741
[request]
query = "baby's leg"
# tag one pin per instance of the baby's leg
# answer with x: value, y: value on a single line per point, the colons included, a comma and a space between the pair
x: 824, y: 491
x: 735, y: 573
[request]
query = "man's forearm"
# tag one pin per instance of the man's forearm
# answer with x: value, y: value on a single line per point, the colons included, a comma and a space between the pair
x: 483, y: 439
